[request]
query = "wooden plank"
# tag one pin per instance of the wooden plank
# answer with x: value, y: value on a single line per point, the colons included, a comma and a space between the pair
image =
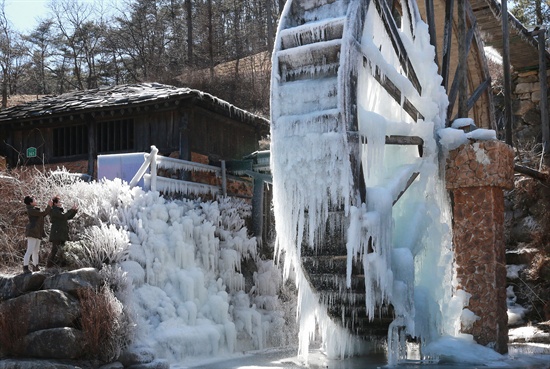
x: 447, y: 43
x: 399, y: 48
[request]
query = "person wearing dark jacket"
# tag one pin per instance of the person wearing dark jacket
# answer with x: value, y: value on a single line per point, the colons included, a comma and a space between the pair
x: 34, y: 232
x: 59, y: 232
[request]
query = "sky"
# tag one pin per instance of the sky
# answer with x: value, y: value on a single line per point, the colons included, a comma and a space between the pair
x: 23, y: 14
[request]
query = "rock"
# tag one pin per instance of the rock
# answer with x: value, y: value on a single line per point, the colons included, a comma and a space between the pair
x: 14, y: 286
x: 34, y: 364
x: 155, y: 364
x: 56, y: 343
x: 136, y: 355
x: 115, y: 365
x: 43, y: 309
x: 74, y: 280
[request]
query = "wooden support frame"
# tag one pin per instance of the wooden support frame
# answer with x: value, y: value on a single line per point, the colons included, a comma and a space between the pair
x: 430, y: 15
x: 447, y: 43
x: 453, y: 92
x: 393, y: 91
x: 399, y: 48
x: 543, y: 78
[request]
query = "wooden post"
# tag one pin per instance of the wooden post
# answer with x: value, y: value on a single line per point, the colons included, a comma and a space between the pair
x: 153, y: 158
x: 92, y: 150
x: 224, y: 179
x: 447, y: 43
x: 543, y: 77
x: 507, y: 74
x: 430, y: 15
x: 462, y: 61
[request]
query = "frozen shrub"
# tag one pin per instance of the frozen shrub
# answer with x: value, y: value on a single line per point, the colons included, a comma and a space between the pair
x: 103, y: 245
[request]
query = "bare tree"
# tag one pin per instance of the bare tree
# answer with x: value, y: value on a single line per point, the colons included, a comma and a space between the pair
x: 7, y: 36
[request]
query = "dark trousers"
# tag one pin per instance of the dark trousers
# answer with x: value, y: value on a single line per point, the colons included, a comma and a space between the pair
x: 56, y: 245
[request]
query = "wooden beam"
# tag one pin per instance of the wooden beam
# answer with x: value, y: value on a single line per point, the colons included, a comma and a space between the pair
x: 543, y: 77
x: 430, y: 17
x: 399, y: 48
x: 409, y: 183
x: 531, y: 172
x: 462, y: 61
x: 507, y: 74
x: 454, y: 87
x: 394, y: 92
x: 483, y: 86
x: 399, y: 140
x: 447, y: 43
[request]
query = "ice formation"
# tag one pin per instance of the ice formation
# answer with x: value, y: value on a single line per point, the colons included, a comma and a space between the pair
x: 411, y: 264
x: 191, y: 293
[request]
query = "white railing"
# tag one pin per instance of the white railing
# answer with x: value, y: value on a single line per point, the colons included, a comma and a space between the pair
x: 159, y: 183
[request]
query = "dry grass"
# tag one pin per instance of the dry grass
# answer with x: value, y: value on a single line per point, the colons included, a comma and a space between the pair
x: 100, y: 320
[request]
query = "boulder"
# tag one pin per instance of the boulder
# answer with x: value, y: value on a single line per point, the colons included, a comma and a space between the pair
x: 34, y: 364
x: 155, y: 364
x: 43, y: 309
x: 55, y: 343
x: 136, y: 355
x: 17, y: 285
x: 74, y: 280
x: 115, y: 365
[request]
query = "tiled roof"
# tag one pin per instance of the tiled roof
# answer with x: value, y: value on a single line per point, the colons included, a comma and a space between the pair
x: 120, y: 96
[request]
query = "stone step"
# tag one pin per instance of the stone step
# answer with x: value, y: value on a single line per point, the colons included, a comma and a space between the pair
x: 318, y: 94
x: 309, y: 33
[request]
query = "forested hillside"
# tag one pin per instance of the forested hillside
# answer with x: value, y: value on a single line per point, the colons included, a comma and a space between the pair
x: 88, y: 44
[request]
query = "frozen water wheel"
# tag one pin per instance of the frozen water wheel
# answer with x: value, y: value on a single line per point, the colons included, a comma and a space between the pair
x: 350, y: 81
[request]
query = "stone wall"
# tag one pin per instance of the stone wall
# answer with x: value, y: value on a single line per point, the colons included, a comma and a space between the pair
x: 476, y: 174
x: 526, y: 105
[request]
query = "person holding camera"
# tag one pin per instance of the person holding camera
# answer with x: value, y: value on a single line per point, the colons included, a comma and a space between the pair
x: 59, y: 232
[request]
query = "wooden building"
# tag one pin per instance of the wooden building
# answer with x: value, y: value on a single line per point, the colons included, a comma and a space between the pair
x: 75, y: 127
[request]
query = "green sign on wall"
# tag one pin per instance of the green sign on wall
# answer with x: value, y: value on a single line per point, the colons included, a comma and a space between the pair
x: 31, y: 152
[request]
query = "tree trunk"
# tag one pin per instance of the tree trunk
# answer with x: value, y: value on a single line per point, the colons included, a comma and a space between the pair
x: 189, y: 5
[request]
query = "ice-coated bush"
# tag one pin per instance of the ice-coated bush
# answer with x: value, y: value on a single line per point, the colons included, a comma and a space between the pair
x: 104, y: 245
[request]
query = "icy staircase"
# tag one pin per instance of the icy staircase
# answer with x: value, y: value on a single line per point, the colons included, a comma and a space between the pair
x: 308, y: 59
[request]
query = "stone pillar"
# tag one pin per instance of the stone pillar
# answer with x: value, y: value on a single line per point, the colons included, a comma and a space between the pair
x: 476, y: 174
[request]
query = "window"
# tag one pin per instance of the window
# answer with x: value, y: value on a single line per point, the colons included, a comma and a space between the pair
x: 69, y: 141
x: 115, y: 135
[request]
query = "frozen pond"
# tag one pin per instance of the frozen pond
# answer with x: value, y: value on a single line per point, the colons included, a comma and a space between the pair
x: 520, y: 357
